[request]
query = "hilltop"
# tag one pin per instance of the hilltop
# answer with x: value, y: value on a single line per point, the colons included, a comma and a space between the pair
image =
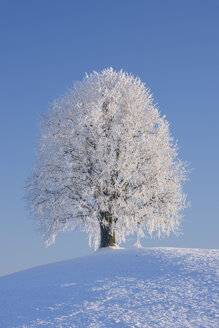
x: 113, y: 287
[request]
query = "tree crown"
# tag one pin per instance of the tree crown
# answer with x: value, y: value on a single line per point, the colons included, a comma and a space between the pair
x: 106, y: 158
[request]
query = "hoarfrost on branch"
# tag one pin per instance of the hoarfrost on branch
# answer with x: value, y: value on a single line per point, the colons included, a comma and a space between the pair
x: 105, y: 152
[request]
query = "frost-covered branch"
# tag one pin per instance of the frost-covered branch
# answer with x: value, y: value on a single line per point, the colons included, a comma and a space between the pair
x: 106, y: 159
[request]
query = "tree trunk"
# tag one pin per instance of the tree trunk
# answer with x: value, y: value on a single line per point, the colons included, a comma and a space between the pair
x: 107, y: 235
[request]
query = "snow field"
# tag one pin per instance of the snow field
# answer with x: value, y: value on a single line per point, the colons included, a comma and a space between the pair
x: 149, y: 287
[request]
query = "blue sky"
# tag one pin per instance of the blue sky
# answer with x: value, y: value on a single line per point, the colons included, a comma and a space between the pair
x: 45, y: 46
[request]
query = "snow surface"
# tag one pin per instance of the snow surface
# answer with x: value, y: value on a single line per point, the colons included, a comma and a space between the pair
x: 150, y: 287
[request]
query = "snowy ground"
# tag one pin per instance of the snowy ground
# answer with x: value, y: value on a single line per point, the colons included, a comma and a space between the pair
x: 152, y: 287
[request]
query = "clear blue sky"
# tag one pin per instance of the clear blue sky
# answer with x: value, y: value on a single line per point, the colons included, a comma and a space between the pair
x: 46, y: 45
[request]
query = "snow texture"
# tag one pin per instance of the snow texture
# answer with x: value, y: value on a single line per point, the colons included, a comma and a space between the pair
x: 154, y: 287
x: 106, y: 156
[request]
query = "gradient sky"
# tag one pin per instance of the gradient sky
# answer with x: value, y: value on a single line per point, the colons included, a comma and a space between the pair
x: 46, y: 45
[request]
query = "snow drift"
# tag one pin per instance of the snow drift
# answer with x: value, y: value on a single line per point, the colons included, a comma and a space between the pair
x: 151, y: 287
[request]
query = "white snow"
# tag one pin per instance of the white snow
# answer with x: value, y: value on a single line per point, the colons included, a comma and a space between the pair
x: 150, y: 287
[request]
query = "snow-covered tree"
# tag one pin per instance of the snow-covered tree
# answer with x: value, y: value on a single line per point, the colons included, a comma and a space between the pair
x: 106, y: 164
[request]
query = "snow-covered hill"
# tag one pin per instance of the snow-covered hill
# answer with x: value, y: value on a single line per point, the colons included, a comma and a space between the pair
x: 152, y: 287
